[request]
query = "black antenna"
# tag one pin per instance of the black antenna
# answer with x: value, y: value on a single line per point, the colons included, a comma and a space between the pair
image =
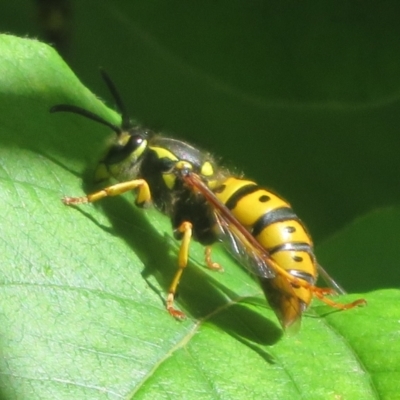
x: 125, y: 123
x: 88, y: 114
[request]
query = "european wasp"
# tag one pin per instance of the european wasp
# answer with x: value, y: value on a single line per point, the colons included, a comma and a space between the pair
x: 206, y: 203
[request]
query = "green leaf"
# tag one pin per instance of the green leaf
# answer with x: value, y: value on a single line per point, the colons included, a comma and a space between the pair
x: 82, y: 296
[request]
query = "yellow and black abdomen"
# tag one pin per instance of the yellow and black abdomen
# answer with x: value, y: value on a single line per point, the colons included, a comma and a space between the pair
x: 275, y: 226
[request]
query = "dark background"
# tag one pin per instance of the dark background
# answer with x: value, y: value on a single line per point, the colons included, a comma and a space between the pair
x: 301, y: 96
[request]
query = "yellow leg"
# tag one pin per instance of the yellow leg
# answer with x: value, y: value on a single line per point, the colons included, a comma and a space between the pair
x: 210, y: 263
x: 327, y: 291
x: 186, y: 229
x: 144, y: 195
x: 340, y: 306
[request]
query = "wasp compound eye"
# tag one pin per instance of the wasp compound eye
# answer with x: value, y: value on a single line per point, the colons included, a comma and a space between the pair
x: 119, y: 152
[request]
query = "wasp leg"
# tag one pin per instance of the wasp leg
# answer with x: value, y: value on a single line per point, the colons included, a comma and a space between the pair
x: 319, y: 292
x: 186, y: 229
x: 210, y: 263
x: 144, y: 195
x: 320, y: 295
x: 327, y: 291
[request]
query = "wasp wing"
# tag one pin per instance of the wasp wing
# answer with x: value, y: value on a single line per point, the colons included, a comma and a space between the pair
x: 236, y: 244
x: 330, y: 281
x: 255, y: 258
x: 235, y: 237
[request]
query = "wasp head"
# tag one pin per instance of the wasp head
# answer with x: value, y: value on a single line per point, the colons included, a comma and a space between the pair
x: 123, y: 157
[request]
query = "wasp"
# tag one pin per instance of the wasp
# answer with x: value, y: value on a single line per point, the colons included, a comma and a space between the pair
x: 206, y: 203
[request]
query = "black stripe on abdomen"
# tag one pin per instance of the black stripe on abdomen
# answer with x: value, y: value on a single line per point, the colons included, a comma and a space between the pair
x: 239, y: 194
x: 277, y: 215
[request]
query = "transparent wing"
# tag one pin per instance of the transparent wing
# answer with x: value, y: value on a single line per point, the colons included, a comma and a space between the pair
x: 237, y: 245
x: 235, y: 237
x: 330, y: 281
x: 274, y: 281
